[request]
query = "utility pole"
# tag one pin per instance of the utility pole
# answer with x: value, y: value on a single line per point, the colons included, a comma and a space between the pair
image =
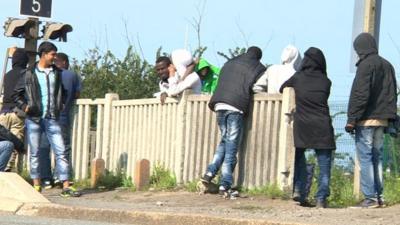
x: 31, y: 43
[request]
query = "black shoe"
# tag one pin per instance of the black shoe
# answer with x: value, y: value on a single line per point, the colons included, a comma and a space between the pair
x: 307, y: 204
x: 367, y: 204
x: 296, y: 197
x: 47, y: 185
x: 321, y: 204
x: 381, y: 202
x: 206, y: 179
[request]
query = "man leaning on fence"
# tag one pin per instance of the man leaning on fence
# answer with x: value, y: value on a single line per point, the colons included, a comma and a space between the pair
x: 231, y: 101
x: 40, y: 95
x: 372, y: 104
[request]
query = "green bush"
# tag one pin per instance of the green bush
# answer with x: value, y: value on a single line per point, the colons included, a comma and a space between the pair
x: 162, y: 178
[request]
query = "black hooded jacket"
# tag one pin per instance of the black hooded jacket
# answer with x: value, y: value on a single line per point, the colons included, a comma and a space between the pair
x: 373, y: 94
x: 236, y: 80
x: 19, y: 63
x: 312, y: 125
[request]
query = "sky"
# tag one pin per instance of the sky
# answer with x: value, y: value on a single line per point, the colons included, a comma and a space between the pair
x: 271, y: 25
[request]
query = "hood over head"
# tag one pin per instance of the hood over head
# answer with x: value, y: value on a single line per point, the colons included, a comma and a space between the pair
x: 254, y: 52
x: 20, y: 58
x: 181, y: 58
x: 365, y: 44
x: 314, y: 60
x: 291, y: 55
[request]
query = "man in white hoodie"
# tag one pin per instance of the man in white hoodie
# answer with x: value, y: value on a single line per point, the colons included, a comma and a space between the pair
x: 276, y: 75
x: 181, y: 59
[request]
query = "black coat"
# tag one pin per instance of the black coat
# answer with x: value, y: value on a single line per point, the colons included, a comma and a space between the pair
x: 373, y: 94
x: 236, y: 80
x: 27, y: 93
x: 19, y: 62
x: 312, y: 122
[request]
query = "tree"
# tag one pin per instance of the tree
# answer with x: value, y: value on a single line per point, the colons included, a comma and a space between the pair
x: 131, y: 77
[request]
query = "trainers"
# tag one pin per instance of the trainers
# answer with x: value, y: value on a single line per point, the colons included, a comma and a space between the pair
x: 70, y: 192
x: 206, y: 178
x: 367, y: 203
x: 381, y: 202
x: 306, y: 203
x: 47, y: 185
x: 38, y: 188
x: 296, y: 197
x: 321, y: 204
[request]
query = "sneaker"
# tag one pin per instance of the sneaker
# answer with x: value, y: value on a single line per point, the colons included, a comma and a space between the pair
x: 306, y: 203
x: 38, y: 188
x: 381, y: 202
x: 321, y: 204
x: 47, y: 185
x: 367, y: 204
x: 206, y: 178
x: 222, y: 191
x: 70, y: 192
x: 296, y: 197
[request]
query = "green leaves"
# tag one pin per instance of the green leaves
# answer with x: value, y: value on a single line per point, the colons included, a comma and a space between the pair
x: 130, y: 77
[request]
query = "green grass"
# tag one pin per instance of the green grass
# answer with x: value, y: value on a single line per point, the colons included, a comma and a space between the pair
x: 391, y: 191
x: 270, y: 191
x: 162, y: 178
x: 191, y: 186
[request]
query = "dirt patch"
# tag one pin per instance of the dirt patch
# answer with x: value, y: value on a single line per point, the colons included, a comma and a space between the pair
x: 250, y: 208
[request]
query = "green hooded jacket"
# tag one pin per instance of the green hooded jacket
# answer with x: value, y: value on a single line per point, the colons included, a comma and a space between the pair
x: 209, y: 84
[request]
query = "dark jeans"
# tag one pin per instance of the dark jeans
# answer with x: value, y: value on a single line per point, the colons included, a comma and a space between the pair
x: 324, y: 158
x: 230, y: 124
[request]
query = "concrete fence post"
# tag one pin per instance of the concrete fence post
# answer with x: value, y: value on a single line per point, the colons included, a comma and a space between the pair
x: 181, y: 135
x: 107, y: 125
x: 286, y: 144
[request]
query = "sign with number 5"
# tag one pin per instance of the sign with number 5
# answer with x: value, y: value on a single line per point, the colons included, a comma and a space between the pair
x: 37, y: 8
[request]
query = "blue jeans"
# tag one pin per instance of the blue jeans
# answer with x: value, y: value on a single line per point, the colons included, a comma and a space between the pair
x: 45, y: 160
x: 36, y: 134
x: 6, y: 148
x: 369, y: 143
x: 324, y: 158
x: 230, y: 124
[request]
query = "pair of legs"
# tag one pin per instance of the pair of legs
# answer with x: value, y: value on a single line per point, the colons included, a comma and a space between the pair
x: 369, y: 143
x: 50, y: 129
x: 45, y: 161
x: 6, y: 149
x: 230, y: 124
x: 15, y: 125
x: 324, y: 158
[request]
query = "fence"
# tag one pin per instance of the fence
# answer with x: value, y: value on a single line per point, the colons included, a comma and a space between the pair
x: 182, y: 135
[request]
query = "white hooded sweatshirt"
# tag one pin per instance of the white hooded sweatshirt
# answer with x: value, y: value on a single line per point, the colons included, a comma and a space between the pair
x: 182, y: 58
x: 276, y: 75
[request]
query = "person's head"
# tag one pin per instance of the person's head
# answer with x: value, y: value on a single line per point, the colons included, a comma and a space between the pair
x: 254, y: 52
x: 291, y: 56
x: 47, y: 53
x: 202, y: 68
x: 20, y: 58
x: 162, y: 64
x: 181, y: 58
x: 314, y: 59
x: 365, y: 44
x: 62, y: 61
x: 203, y: 72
